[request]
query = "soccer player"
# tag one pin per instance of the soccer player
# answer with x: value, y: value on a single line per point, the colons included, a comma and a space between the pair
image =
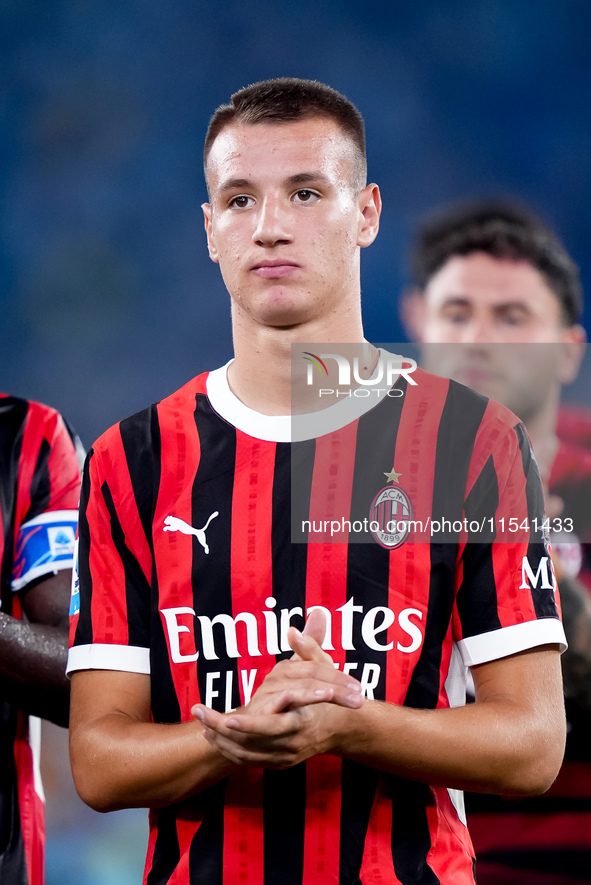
x: 344, y: 762
x: 491, y: 277
x: 39, y: 492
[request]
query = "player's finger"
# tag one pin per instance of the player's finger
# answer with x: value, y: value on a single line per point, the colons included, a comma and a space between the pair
x: 208, y: 717
x: 315, y: 625
x: 306, y: 647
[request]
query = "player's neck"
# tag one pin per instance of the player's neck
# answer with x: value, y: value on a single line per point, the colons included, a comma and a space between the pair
x: 261, y: 374
x: 541, y: 429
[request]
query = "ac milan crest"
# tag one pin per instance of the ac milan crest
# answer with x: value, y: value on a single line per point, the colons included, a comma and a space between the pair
x: 391, y: 515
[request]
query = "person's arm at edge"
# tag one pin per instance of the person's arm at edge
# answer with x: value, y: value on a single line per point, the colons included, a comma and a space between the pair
x: 121, y: 759
x: 33, y: 651
x: 511, y: 741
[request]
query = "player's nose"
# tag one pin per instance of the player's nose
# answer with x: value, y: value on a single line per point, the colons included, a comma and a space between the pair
x: 273, y: 223
x: 479, y: 331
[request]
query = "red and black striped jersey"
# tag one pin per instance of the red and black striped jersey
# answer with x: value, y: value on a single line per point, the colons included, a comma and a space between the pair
x: 39, y: 491
x: 200, y: 544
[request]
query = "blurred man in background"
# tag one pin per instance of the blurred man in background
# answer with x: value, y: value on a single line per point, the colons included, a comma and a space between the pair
x: 489, y: 278
x: 39, y: 492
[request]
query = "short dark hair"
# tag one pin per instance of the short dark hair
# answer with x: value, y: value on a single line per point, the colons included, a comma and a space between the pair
x: 502, y: 229
x: 284, y: 100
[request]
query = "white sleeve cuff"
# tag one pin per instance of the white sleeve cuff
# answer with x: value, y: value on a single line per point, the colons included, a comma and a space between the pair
x: 129, y: 658
x: 510, y: 640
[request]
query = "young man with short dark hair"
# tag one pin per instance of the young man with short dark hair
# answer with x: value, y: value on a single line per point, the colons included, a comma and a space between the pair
x: 341, y: 763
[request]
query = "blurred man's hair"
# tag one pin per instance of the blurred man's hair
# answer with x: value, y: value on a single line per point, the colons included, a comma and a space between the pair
x: 503, y: 230
x: 286, y: 99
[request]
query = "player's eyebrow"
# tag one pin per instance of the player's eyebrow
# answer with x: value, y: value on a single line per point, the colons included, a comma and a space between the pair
x: 455, y: 301
x: 233, y: 184
x: 308, y: 178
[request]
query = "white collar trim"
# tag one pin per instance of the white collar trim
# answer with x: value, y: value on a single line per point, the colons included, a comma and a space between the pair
x: 282, y: 428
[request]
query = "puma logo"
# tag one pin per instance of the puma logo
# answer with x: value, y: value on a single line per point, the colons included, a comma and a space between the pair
x: 173, y: 524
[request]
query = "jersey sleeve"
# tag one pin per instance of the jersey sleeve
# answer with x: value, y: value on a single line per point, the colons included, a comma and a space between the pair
x: 110, y: 606
x: 506, y: 598
x: 48, y: 489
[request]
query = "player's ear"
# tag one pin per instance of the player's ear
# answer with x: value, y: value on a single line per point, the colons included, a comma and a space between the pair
x: 574, y: 340
x: 213, y: 252
x: 370, y: 207
x: 411, y: 307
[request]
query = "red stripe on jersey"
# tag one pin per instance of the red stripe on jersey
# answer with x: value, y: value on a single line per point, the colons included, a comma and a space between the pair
x: 33, y: 433
x: 244, y: 854
x: 179, y: 463
x: 30, y: 805
x: 410, y: 564
x: 330, y: 497
x: 185, y: 831
x: 326, y: 586
x: 408, y: 591
x: 109, y: 607
x: 322, y: 836
x: 377, y: 865
x: 252, y: 584
x: 446, y: 859
x: 251, y: 552
x: 62, y: 464
x: 415, y: 460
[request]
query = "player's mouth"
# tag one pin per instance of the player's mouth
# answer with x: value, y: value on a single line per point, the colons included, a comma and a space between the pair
x: 275, y: 269
x: 472, y: 376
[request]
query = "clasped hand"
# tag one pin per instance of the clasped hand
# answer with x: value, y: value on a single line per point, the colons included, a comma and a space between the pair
x: 296, y: 713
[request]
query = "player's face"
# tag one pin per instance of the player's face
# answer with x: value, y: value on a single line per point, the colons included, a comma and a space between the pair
x: 285, y: 222
x: 493, y: 306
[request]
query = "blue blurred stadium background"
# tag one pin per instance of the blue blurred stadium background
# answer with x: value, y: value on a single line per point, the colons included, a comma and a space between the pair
x: 108, y: 297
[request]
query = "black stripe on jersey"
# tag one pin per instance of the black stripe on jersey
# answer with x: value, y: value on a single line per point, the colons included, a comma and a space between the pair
x: 13, y: 413
x: 137, y: 591
x: 460, y: 420
x: 359, y: 785
x: 165, y: 704
x: 302, y: 472
x: 478, y: 579
x: 84, y: 631
x: 140, y: 436
x: 284, y: 792
x: 206, y: 856
x: 211, y: 578
x: 543, y: 597
x: 368, y: 564
x: 411, y: 839
x: 166, y: 850
x: 368, y: 569
x: 284, y: 820
x: 13, y: 868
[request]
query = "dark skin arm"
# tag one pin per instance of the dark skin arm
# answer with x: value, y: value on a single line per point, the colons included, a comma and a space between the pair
x: 33, y: 651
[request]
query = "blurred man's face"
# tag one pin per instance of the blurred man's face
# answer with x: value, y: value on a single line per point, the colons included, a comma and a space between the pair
x: 506, y: 318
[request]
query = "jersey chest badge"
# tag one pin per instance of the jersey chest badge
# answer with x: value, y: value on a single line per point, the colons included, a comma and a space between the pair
x: 391, y: 514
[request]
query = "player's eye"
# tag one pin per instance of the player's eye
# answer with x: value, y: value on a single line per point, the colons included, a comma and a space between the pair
x: 304, y: 195
x: 513, y: 317
x: 455, y: 317
x: 241, y: 201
